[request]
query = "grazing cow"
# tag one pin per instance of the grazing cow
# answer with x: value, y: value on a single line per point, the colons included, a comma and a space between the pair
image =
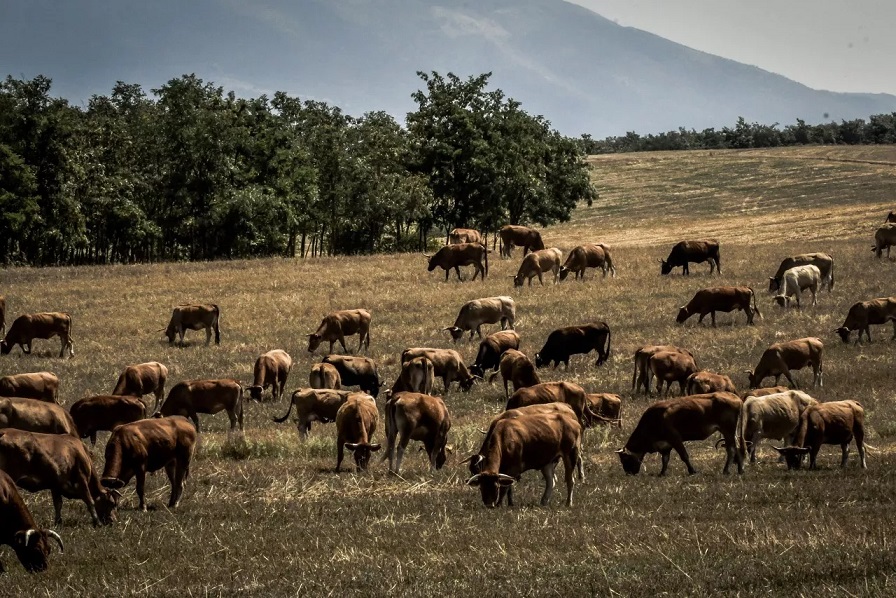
x: 590, y: 255
x: 556, y: 392
x: 416, y: 376
x: 19, y: 531
x: 356, y: 371
x: 324, y: 375
x: 146, y: 446
x: 642, y: 374
x: 836, y: 422
x: 884, y: 238
x: 521, y: 236
x: 795, y: 281
x: 28, y: 327
x: 669, y: 367
x: 668, y: 424
x: 517, y: 368
x: 315, y: 405
x: 607, y: 405
x: 103, y: 413
x: 194, y: 317
x: 780, y: 358
x: 703, y: 382
x: 34, y: 415
x: 697, y: 252
x: 339, y: 324
x: 477, y: 312
x: 192, y: 397
x: 775, y: 416
x: 143, y: 379
x: 355, y: 425
x: 528, y: 439
x: 537, y: 262
x: 416, y: 416
x: 60, y: 464
x: 823, y: 261
x: 725, y: 299
x: 271, y: 369
x: 864, y: 313
x: 464, y: 235
x: 43, y: 386
x: 455, y: 256
x: 492, y: 348
x: 574, y: 340
x: 447, y: 365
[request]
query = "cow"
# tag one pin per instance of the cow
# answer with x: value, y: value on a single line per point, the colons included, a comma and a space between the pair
x: 537, y: 262
x: 606, y: 405
x: 556, y: 392
x: 464, y: 235
x: 103, y: 413
x: 339, y: 324
x: 356, y: 371
x: 725, y: 299
x: 416, y: 416
x: 782, y: 357
x: 491, y: 310
x: 669, y: 367
x: 521, y: 236
x: 590, y: 255
x: 835, y: 422
x: 891, y: 217
x: 447, y: 365
x: 28, y: 327
x: 884, y: 238
x: 641, y: 376
x: 864, y: 313
x: 416, y: 376
x: 573, y: 340
x: 697, y: 252
x: 355, y: 426
x: 491, y: 348
x: 667, y: 425
x: 43, y: 386
x: 315, y: 405
x: 823, y: 261
x: 704, y: 382
x: 146, y: 446
x: 2, y: 314
x: 34, y: 415
x: 271, y: 369
x: 58, y: 463
x: 143, y: 379
x: 795, y: 281
x: 528, y: 439
x: 455, y: 256
x: 517, y: 368
x: 194, y: 317
x: 19, y: 531
x: 774, y: 416
x: 192, y: 397
x: 324, y: 375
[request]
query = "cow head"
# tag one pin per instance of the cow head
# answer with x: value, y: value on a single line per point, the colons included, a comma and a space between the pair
x: 631, y: 463
x: 313, y: 341
x: 442, y: 456
x: 843, y: 331
x: 754, y: 383
x: 683, y: 314
x: 432, y: 262
x: 665, y: 267
x: 781, y: 300
x: 466, y: 385
x: 793, y: 455
x: 540, y: 361
x: 33, y: 548
x: 564, y: 272
x: 773, y: 284
x: 477, y: 370
x: 518, y: 280
x: 490, y: 485
x: 106, y: 505
x: 361, y: 451
x: 170, y: 333
x: 5, y: 347
x: 255, y: 392
x: 456, y: 333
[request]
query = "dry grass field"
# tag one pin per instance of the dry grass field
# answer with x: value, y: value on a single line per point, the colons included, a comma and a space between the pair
x: 263, y: 515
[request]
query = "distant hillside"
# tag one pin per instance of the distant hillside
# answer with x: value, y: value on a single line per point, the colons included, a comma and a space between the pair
x: 583, y: 72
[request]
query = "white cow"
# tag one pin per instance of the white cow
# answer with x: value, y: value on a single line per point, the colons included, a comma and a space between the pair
x: 795, y: 281
x: 772, y: 416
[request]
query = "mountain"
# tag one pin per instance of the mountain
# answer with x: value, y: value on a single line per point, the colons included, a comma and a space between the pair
x: 583, y: 72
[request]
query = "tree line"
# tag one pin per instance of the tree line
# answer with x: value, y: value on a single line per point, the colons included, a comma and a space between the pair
x: 189, y: 172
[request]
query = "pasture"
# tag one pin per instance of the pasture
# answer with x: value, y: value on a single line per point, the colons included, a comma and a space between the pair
x: 264, y: 515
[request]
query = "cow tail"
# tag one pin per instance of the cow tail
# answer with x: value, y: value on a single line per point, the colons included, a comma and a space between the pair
x: 755, y: 307
x: 740, y: 430
x: 831, y: 277
x: 486, y: 258
x: 217, y: 324
x: 292, y: 401
x: 391, y: 429
x: 606, y: 356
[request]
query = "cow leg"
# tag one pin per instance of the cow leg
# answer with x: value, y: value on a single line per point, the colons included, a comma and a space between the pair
x: 508, y: 492
x: 57, y: 507
x: 712, y: 315
x: 813, y: 455
x: 340, y: 453
x: 195, y: 418
x: 685, y: 270
x: 141, y: 488
x: 860, y: 444
x: 569, y: 469
x: 28, y: 350
x: 177, y: 473
x: 342, y: 343
x: 732, y: 454
x: 447, y: 273
x: 208, y: 336
x: 678, y: 445
x: 664, y: 456
x: 548, y: 472
x: 402, y: 446
x: 457, y: 271
x: 754, y: 446
x: 844, y: 449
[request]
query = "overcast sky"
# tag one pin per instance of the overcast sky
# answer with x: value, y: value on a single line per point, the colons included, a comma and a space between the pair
x: 826, y: 44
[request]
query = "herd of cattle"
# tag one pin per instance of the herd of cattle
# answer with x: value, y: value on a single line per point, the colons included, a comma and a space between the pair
x: 542, y: 425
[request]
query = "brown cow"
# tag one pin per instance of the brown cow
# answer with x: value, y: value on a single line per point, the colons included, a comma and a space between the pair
x: 518, y: 369
x: 103, y: 413
x: 324, y: 375
x: 192, y: 397
x: 780, y: 358
x: 146, y: 446
x: 607, y: 405
x: 464, y: 235
x: 60, y: 464
x: 19, y: 531
x: 416, y: 416
x: 642, y: 374
x: 521, y: 236
x: 697, y: 252
x: 355, y: 426
x: 703, y: 382
x: 669, y: 367
x: 43, y: 386
x: 473, y: 314
x: 556, y: 392
x: 271, y: 369
x: 574, y: 340
x: 590, y: 255
x: 28, y: 327
x: 864, y: 313
x: 537, y: 262
x: 491, y: 348
x: 194, y: 317
x: 725, y: 299
x: 35, y: 416
x: 884, y: 238
x: 417, y: 375
x: 315, y: 405
x: 668, y: 424
x: 356, y: 371
x: 339, y: 324
x: 455, y: 256
x: 836, y: 422
x: 143, y: 379
x: 447, y: 365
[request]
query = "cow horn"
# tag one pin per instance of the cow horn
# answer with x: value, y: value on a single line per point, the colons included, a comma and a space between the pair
x: 720, y: 441
x: 28, y: 535
x: 777, y: 449
x: 474, y: 481
x: 620, y: 451
x: 503, y: 477
x: 58, y: 539
x: 427, y: 256
x: 481, y: 431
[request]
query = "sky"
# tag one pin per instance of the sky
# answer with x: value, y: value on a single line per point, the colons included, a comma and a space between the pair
x: 834, y: 45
